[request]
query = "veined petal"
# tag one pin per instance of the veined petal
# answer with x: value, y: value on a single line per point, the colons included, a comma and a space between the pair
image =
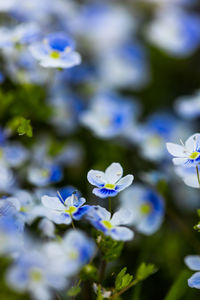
x: 52, y: 203
x: 176, y: 150
x: 121, y: 217
x: 113, y: 173
x: 98, y: 212
x: 180, y: 161
x: 124, y: 182
x: 81, y: 212
x: 96, y: 178
x: 193, y: 262
x: 59, y: 218
x: 104, y: 193
x: 79, y: 201
x: 194, y: 281
x: 191, y: 181
x: 193, y: 142
x: 121, y: 234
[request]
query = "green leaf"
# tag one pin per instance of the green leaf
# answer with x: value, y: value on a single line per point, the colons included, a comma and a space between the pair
x: 145, y: 271
x: 198, y: 212
x: 21, y: 125
x: 110, y: 248
x: 123, y: 279
x: 74, y: 291
x: 179, y: 287
x: 99, y: 293
x: 89, y: 272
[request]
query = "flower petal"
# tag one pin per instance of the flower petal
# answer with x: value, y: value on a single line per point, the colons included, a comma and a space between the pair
x: 96, y: 178
x: 59, y: 218
x: 194, y: 281
x: 113, y: 173
x: 193, y: 262
x: 176, y: 150
x: 121, y: 217
x: 52, y: 203
x: 193, y: 142
x: 81, y: 212
x: 180, y: 161
x: 98, y: 212
x: 124, y: 182
x: 104, y: 193
x: 121, y: 234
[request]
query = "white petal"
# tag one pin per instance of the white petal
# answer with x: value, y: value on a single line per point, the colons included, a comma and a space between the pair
x: 124, y: 182
x: 191, y: 181
x: 193, y: 262
x: 176, y: 150
x: 122, y: 217
x: 193, y: 142
x: 96, y: 178
x: 122, y: 234
x: 179, y: 161
x: 113, y: 173
x: 52, y: 203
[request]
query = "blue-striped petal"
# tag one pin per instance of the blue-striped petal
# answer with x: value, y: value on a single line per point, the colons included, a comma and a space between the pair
x: 194, y: 281
x: 81, y: 212
x: 104, y: 193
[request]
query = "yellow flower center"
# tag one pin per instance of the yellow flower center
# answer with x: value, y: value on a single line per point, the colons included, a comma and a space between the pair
x: 55, y: 54
x: 73, y: 255
x: 45, y: 173
x: 71, y: 210
x: 194, y: 155
x: 145, y: 208
x: 109, y: 186
x: 35, y: 275
x: 107, y: 224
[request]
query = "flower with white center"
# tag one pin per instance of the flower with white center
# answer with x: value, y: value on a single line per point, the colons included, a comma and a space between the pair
x: 187, y: 155
x: 56, y: 51
x: 101, y: 219
x: 193, y: 262
x: 110, y: 182
x: 63, y: 211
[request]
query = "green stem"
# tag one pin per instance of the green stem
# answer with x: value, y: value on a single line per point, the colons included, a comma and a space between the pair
x: 197, y: 169
x: 110, y: 205
x: 116, y: 295
x: 73, y: 226
x: 102, y: 270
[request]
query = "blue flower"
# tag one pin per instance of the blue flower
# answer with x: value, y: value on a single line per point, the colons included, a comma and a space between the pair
x: 193, y: 262
x: 147, y: 208
x: 101, y: 219
x: 63, y: 210
x: 44, y: 175
x: 187, y: 155
x: 56, y: 51
x: 110, y: 182
x: 189, y: 106
x: 36, y: 273
x: 109, y: 115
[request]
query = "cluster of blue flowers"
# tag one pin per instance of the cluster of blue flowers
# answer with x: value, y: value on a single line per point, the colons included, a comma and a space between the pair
x: 89, y: 60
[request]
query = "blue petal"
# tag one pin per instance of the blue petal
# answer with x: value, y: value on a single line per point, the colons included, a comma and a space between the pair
x: 81, y: 212
x: 121, y: 233
x: 99, y: 226
x: 193, y: 262
x: 104, y: 193
x: 194, y: 281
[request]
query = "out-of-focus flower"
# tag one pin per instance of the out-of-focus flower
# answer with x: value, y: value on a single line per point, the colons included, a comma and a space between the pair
x: 175, y: 31
x: 101, y: 219
x: 128, y: 63
x: 193, y: 262
x: 63, y: 210
x: 6, y: 178
x: 110, y: 182
x: 47, y: 227
x: 44, y: 175
x: 21, y: 35
x: 36, y: 273
x: 56, y: 51
x: 188, y: 175
x: 109, y: 116
x: 147, y: 208
x: 188, y: 106
x: 187, y: 155
x: 72, y: 252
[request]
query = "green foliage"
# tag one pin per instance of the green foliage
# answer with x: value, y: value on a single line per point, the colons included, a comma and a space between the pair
x: 74, y: 291
x: 99, y: 293
x: 110, y: 249
x: 144, y: 271
x: 21, y: 125
x: 89, y: 272
x: 123, y: 279
x: 179, y: 287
